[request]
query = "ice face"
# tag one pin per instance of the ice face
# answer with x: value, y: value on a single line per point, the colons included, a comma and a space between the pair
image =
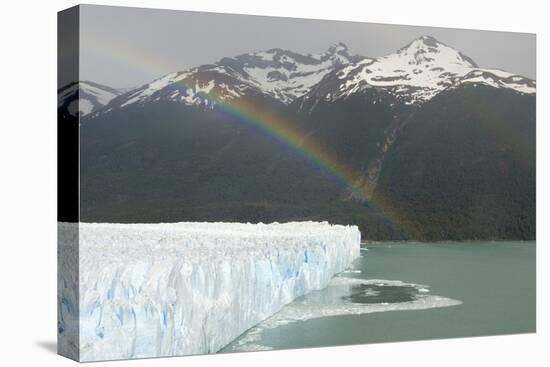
x: 151, y: 290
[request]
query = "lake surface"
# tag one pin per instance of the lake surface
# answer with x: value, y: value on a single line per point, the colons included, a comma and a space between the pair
x: 410, y: 291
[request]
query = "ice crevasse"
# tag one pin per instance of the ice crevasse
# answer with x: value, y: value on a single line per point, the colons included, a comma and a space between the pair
x: 147, y: 290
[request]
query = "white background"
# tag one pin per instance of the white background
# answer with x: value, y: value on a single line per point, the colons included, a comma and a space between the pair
x: 28, y: 182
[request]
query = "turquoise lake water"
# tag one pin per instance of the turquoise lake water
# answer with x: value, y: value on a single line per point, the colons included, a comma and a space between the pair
x: 411, y: 291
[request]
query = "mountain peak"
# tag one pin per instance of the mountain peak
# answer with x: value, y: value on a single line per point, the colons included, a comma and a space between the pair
x: 339, y: 54
x: 337, y: 48
x: 422, y: 44
x: 428, y: 50
x: 429, y: 41
x: 417, y: 72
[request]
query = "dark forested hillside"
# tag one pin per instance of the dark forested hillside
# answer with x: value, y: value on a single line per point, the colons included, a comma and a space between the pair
x: 464, y: 167
x: 167, y: 162
x: 419, y: 144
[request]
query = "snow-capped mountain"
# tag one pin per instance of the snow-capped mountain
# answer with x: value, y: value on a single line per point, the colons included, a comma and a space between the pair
x: 415, y: 74
x: 424, y: 130
x: 279, y: 74
x: 85, y: 97
x: 412, y: 75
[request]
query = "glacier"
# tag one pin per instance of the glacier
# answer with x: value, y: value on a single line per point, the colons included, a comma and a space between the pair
x: 151, y: 290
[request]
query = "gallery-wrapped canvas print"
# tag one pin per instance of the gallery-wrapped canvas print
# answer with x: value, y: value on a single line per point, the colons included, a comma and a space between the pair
x: 233, y: 183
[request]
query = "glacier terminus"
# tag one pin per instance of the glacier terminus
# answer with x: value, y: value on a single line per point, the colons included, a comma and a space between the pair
x: 150, y: 290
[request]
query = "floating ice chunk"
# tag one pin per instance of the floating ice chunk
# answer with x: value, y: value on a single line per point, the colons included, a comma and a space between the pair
x: 335, y: 301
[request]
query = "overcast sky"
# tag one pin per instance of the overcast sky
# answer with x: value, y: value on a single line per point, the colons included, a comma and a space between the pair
x: 125, y: 47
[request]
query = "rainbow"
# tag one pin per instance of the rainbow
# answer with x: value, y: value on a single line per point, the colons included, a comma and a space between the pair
x: 287, y: 132
x: 272, y: 124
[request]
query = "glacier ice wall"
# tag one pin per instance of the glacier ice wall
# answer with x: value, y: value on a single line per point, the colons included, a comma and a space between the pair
x: 150, y: 290
x: 67, y: 290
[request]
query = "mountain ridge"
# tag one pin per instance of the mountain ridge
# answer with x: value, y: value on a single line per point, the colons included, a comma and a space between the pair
x: 414, y: 73
x: 276, y: 73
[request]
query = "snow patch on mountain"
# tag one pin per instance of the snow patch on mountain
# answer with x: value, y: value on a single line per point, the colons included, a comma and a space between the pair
x: 141, y: 94
x: 287, y: 75
x: 82, y: 106
x: 500, y: 79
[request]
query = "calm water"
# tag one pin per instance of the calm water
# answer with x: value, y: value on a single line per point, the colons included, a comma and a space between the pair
x: 411, y: 291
